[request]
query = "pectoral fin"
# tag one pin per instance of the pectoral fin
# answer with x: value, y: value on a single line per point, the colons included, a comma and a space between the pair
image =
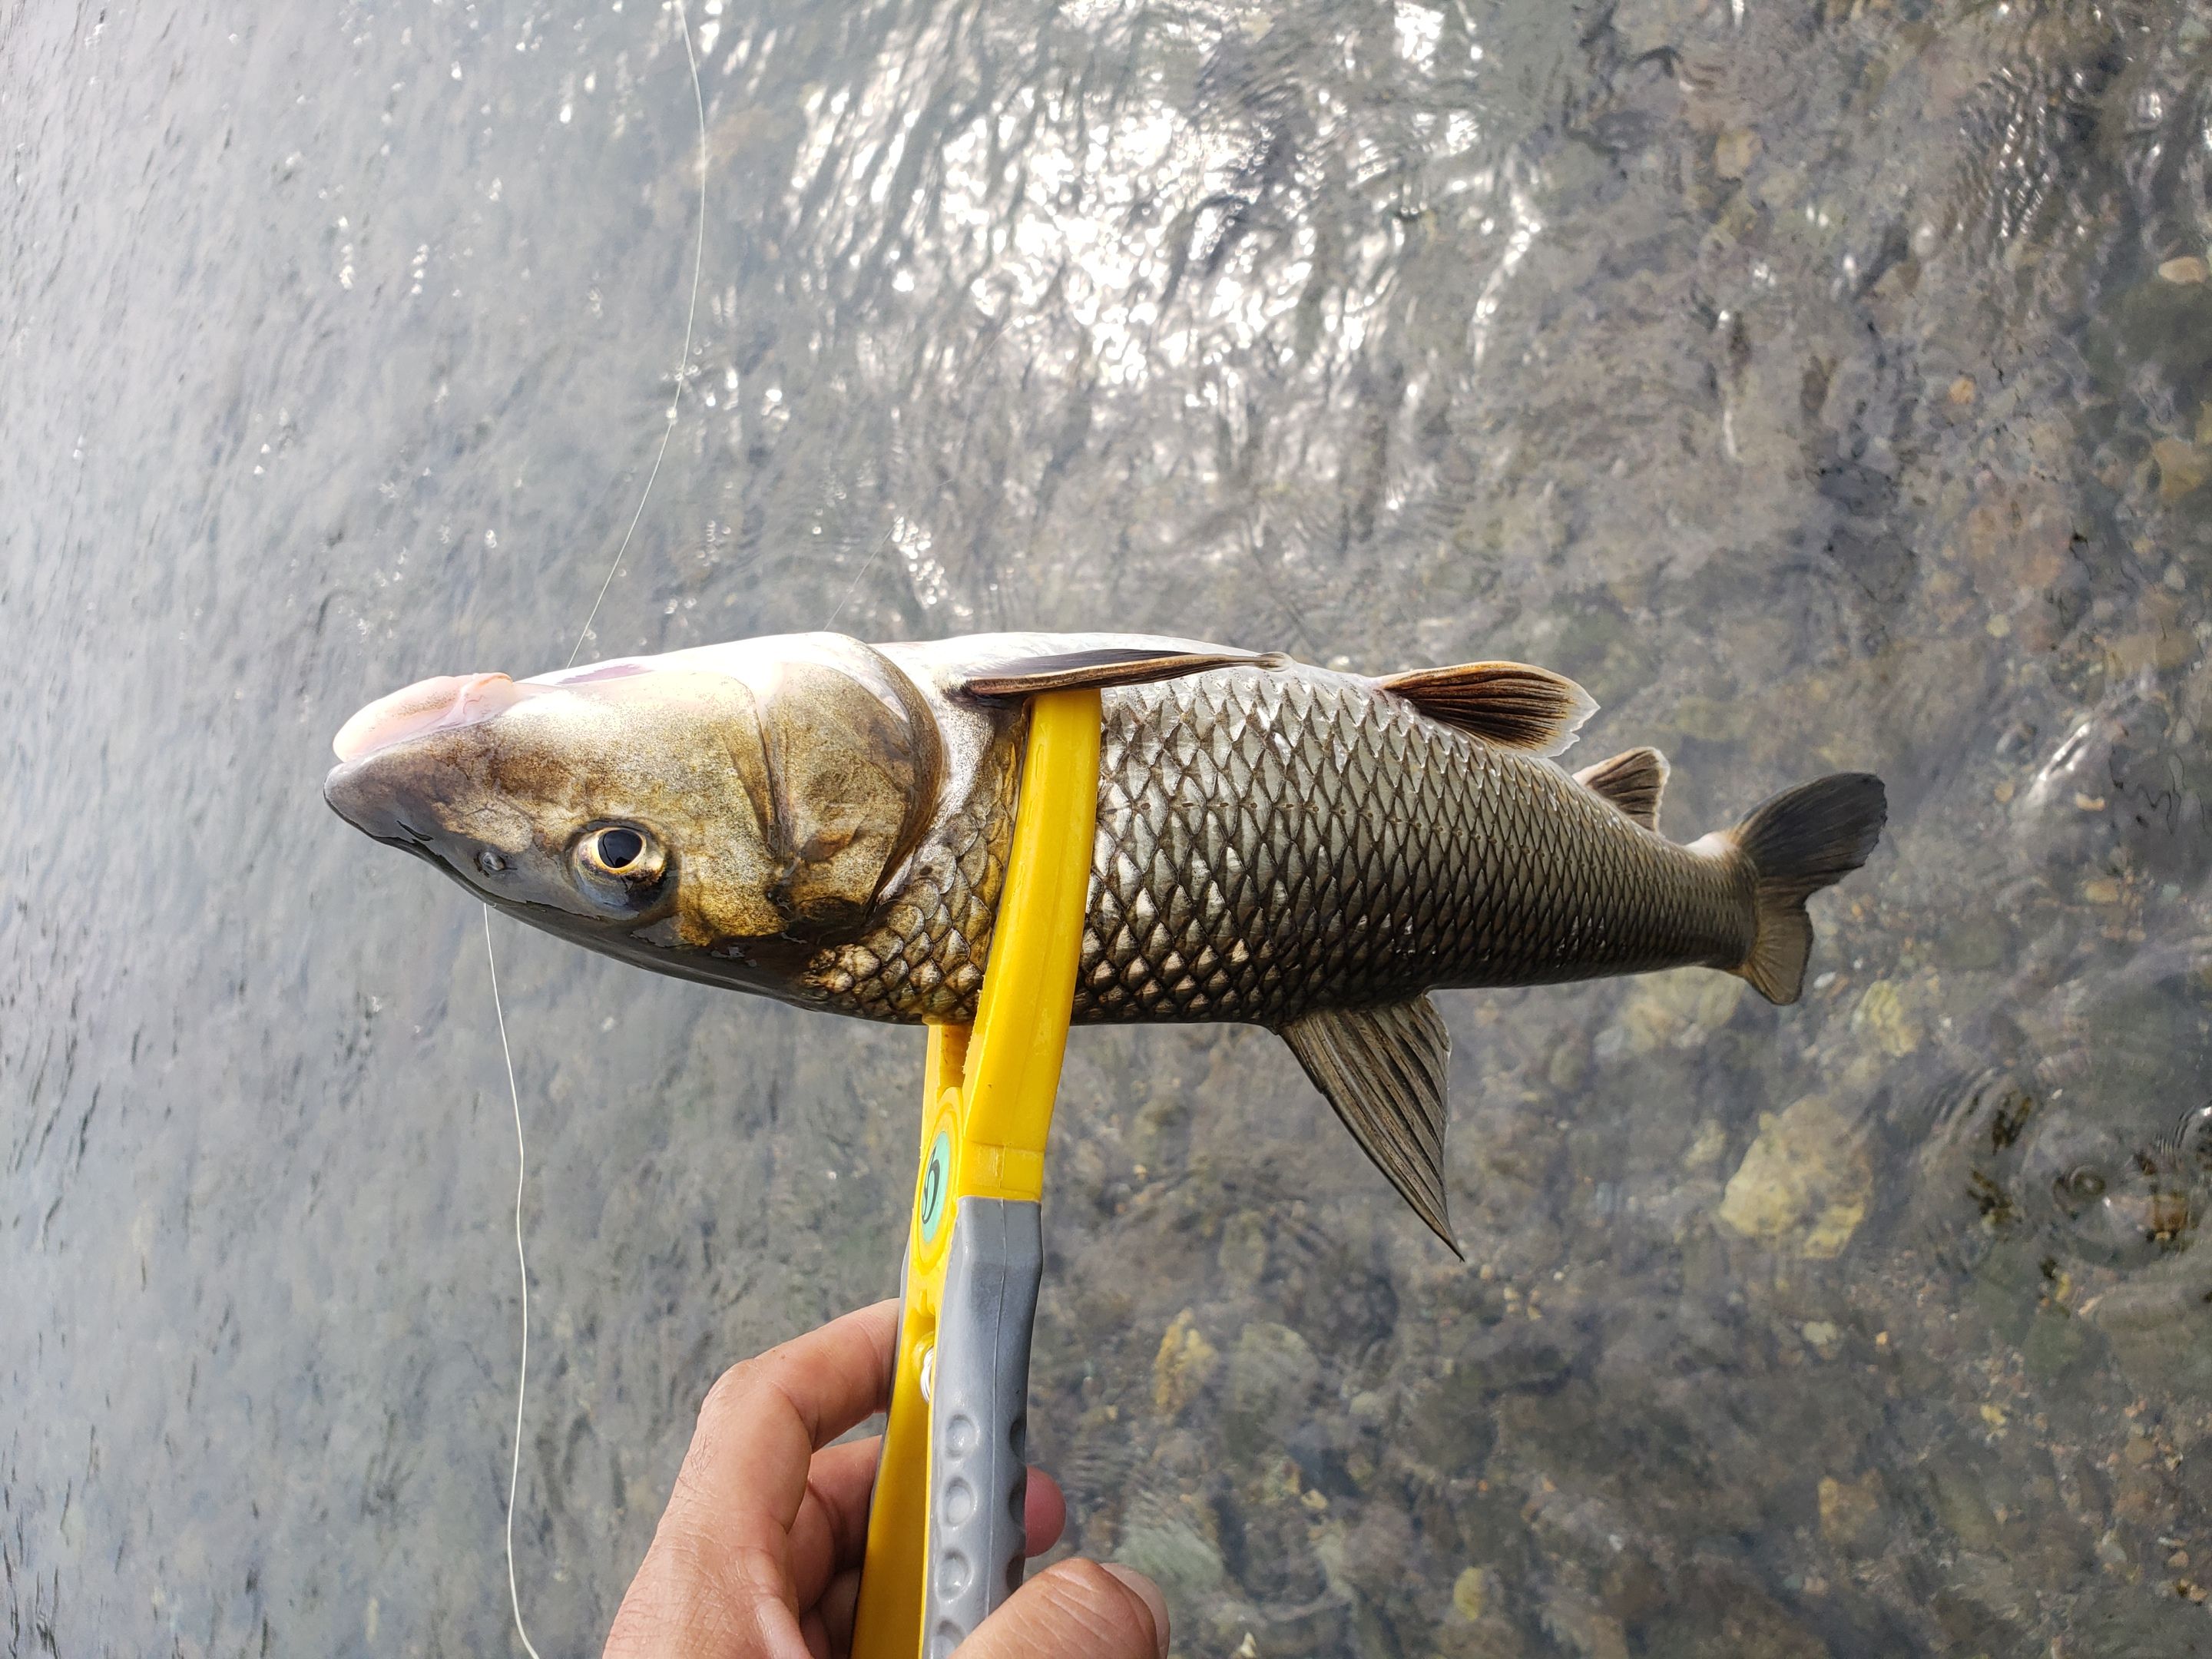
x: 1384, y: 1070
x: 1102, y: 667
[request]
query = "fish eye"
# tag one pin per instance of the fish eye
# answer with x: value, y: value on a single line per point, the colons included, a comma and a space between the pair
x: 620, y: 849
x: 490, y: 862
x: 624, y: 853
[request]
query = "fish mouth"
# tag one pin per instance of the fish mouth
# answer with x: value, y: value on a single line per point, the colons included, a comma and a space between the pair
x: 360, y: 791
x: 374, y: 780
x: 371, y: 784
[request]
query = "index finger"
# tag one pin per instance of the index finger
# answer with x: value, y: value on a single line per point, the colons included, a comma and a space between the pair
x: 721, y: 1561
x: 766, y: 1417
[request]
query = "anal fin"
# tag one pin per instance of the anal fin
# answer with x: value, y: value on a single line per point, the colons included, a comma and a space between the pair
x: 1510, y: 704
x: 1383, y: 1069
x: 1632, y: 781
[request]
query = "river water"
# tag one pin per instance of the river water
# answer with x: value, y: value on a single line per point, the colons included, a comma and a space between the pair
x: 1822, y: 386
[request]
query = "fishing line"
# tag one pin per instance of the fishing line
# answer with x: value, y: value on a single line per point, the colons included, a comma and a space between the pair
x: 683, y: 361
x: 522, y: 1262
x: 491, y: 961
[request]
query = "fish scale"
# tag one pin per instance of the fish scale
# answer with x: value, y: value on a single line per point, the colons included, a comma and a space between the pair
x: 1273, y: 841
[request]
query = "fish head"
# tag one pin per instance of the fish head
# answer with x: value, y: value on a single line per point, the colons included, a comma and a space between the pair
x: 708, y: 813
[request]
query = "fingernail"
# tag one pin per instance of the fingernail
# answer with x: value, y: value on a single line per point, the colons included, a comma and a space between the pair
x: 1149, y: 1594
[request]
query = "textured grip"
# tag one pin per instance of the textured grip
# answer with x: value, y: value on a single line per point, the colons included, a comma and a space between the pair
x: 979, y: 1418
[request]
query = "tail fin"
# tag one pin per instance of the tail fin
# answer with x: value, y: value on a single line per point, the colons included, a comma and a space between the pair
x: 1802, y: 840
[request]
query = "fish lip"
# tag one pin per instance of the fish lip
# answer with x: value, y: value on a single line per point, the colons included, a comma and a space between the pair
x: 353, y: 791
x: 444, y: 702
x: 369, y: 787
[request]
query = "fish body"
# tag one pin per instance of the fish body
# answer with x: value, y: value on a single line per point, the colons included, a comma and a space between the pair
x: 828, y: 822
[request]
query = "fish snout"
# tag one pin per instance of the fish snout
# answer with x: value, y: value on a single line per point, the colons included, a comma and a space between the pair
x: 431, y: 705
x: 390, y: 785
x: 359, y: 791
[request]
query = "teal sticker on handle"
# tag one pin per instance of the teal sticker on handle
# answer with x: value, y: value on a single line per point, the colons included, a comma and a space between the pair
x: 935, y: 1179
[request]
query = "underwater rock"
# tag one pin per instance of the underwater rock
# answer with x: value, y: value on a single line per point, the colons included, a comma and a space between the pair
x: 1445, y: 1423
x: 1975, y: 942
x: 2160, y: 327
x: 1725, y: 1613
x: 1184, y: 1364
x: 2182, y: 467
x: 1377, y: 1552
x: 1570, y: 1061
x: 1706, y: 1147
x: 1804, y: 1184
x: 1677, y: 1010
x: 1493, y: 1638
x: 1275, y: 1629
x: 1633, y: 1586
x: 2155, y: 1323
x: 1243, y: 1255
x: 1851, y: 1512
x: 1272, y: 1371
x: 1648, y: 26
x: 1734, y: 151
x: 1883, y: 1015
x: 1595, y: 1634
x: 1471, y: 1593
x: 1174, y: 1554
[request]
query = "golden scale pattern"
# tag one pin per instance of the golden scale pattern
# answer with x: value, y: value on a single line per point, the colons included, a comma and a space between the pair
x: 923, y: 959
x: 1273, y: 842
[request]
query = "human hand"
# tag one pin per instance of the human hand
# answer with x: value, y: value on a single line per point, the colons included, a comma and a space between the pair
x: 758, y: 1554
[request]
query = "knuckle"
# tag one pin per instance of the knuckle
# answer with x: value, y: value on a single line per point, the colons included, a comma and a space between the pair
x: 723, y: 1399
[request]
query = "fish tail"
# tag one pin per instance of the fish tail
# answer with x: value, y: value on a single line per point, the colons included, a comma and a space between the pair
x: 1797, y: 843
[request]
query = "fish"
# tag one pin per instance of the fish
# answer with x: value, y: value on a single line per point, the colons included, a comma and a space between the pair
x: 828, y: 822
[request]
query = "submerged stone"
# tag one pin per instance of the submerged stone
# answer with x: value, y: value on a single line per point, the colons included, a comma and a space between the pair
x: 1804, y: 1185
x: 1471, y: 1593
x: 1175, y: 1554
x: 1851, y: 1511
x: 1883, y: 1016
x: 1184, y: 1363
x: 1271, y: 1371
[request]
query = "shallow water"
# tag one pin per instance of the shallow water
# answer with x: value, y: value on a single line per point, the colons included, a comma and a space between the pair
x: 1823, y: 386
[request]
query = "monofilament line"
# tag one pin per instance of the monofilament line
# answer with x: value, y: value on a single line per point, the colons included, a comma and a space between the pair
x: 522, y: 1380
x: 684, y: 358
x: 491, y: 961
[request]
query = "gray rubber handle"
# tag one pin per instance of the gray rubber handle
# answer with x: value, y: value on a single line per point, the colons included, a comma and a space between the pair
x: 979, y: 1418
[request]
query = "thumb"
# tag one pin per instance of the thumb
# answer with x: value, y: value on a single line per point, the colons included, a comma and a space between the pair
x: 1076, y: 1610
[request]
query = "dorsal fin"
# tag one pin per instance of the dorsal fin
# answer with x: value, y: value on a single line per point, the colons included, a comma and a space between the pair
x: 1510, y: 704
x: 1384, y: 1070
x: 1632, y: 781
x: 1104, y: 666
